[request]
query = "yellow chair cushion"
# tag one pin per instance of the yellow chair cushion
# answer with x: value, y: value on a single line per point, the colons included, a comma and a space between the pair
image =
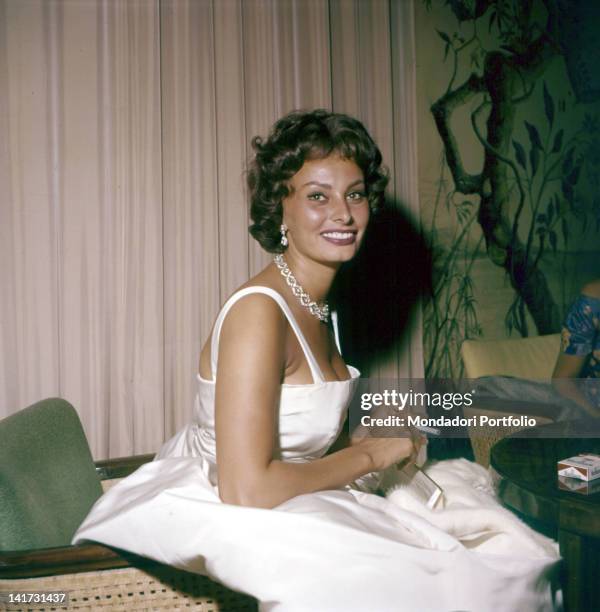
x: 531, y: 358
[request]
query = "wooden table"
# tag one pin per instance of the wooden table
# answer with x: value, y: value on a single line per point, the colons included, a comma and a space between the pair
x: 529, y: 484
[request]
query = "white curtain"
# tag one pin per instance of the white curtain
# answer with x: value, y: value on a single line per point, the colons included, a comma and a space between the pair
x: 124, y: 130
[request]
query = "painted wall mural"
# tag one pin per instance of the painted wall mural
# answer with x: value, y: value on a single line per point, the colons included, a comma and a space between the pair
x: 513, y: 103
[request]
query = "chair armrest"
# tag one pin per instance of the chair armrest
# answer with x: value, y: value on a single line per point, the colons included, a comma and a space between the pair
x: 81, y: 558
x: 65, y: 560
x: 546, y: 412
x: 122, y: 466
x: 483, y: 437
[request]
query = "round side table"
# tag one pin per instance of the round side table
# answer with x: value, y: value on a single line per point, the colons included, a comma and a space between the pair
x: 526, y: 463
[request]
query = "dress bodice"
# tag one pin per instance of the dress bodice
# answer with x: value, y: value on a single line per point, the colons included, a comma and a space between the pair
x: 310, y: 416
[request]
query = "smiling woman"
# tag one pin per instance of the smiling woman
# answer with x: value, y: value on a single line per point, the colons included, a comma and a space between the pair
x: 312, y: 185
x: 248, y: 492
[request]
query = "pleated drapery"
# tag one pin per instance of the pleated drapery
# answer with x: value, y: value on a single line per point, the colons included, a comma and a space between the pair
x: 124, y: 131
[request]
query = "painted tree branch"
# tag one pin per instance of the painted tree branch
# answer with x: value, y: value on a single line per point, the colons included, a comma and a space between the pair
x: 442, y: 111
x: 503, y: 74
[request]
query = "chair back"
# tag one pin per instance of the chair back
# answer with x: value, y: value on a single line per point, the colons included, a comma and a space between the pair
x: 532, y: 358
x: 48, y: 480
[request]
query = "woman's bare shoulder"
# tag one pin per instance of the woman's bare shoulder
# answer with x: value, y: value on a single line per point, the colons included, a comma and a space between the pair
x: 258, y: 302
x: 255, y: 318
x: 253, y: 332
x: 253, y: 323
x: 255, y: 307
x: 592, y: 289
x: 257, y: 312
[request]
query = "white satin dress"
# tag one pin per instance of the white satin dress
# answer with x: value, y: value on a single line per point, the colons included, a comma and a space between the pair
x: 338, y: 550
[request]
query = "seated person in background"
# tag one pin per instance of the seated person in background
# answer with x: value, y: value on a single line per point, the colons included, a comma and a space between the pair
x: 579, y: 356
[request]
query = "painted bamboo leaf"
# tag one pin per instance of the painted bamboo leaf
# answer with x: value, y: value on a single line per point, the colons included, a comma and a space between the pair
x: 520, y: 154
x: 443, y: 36
x: 553, y: 240
x: 548, y: 105
x: 562, y: 206
x: 565, y: 230
x: 534, y: 159
x: 559, y: 206
x: 567, y: 164
x: 573, y: 176
x: 567, y: 189
x: 542, y: 242
x: 556, y: 147
x: 542, y: 238
x: 534, y: 135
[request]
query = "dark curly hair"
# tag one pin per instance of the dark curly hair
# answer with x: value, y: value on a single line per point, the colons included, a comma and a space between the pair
x: 294, y: 139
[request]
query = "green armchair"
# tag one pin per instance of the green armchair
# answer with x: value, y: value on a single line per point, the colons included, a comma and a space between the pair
x: 49, y: 482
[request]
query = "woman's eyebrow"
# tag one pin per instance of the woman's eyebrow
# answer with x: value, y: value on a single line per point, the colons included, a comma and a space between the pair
x: 328, y: 186
x: 325, y: 185
x: 356, y: 182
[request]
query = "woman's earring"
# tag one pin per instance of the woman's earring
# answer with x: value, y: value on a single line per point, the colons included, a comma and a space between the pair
x: 283, y: 229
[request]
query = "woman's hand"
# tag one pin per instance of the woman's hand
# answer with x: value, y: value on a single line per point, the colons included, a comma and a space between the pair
x: 384, y: 452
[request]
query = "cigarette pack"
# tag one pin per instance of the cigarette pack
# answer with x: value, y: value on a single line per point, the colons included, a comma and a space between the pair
x: 585, y: 466
x: 574, y: 485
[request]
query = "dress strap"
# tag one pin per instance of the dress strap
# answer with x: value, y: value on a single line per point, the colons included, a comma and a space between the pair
x: 214, y: 348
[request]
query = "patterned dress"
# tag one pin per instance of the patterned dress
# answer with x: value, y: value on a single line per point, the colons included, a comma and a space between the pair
x: 581, y: 336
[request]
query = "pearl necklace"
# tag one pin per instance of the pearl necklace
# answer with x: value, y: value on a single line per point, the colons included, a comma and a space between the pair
x: 321, y: 312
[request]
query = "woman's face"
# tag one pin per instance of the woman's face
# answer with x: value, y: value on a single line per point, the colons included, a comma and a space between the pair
x: 327, y: 210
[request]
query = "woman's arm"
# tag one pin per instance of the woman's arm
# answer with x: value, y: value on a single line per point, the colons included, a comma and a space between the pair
x: 566, y: 371
x: 250, y: 368
x: 577, y: 345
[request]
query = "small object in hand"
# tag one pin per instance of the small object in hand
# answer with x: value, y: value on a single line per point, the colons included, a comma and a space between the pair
x: 419, y: 484
x: 585, y: 466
